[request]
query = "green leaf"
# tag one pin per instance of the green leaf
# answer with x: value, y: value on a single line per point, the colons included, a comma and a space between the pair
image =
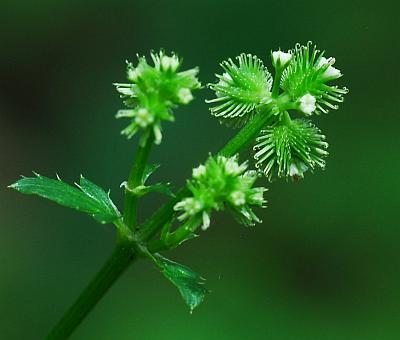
x: 87, y: 198
x: 189, y: 283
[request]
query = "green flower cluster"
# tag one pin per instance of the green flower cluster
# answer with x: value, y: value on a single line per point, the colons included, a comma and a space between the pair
x: 285, y: 148
x: 153, y: 92
x: 218, y: 183
x: 241, y: 89
x: 289, y: 149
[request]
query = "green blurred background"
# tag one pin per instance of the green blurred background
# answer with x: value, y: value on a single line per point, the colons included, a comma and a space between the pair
x: 324, y: 264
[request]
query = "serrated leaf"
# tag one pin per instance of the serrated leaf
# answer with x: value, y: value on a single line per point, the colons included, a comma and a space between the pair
x: 87, y: 198
x: 189, y: 283
x: 108, y: 209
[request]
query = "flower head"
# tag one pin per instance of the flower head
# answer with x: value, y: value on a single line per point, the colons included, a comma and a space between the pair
x: 288, y: 149
x: 153, y: 92
x: 222, y: 181
x: 241, y: 89
x: 309, y: 73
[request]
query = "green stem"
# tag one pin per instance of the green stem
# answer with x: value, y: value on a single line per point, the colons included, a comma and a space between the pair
x: 120, y: 259
x: 134, y: 180
x: 286, y: 118
x: 277, y: 82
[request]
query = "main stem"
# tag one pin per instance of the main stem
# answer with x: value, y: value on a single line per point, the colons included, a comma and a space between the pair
x: 134, y: 180
x: 120, y: 259
x: 124, y: 253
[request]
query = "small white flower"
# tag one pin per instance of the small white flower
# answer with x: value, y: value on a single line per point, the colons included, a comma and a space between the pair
x: 125, y: 90
x: 169, y: 63
x: 185, y: 96
x: 232, y: 167
x: 174, y: 63
x: 206, y: 221
x: 294, y: 170
x: 133, y: 74
x: 238, y: 198
x: 165, y: 62
x: 143, y: 117
x: 258, y: 196
x: 330, y: 72
x: 225, y: 79
x: 199, y: 171
x: 281, y: 57
x: 189, y: 205
x: 125, y: 114
x: 307, y: 104
x: 322, y: 61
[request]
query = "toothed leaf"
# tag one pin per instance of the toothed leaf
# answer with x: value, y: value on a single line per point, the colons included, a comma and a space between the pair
x: 189, y: 283
x: 87, y: 197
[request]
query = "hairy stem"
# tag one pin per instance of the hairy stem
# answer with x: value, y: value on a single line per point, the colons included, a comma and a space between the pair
x: 122, y: 256
x: 134, y: 180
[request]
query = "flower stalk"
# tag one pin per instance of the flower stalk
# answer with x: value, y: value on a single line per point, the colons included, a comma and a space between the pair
x: 135, y: 179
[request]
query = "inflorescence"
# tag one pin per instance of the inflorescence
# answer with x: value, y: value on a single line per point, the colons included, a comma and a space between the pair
x: 153, y: 92
x: 221, y: 182
x: 286, y: 147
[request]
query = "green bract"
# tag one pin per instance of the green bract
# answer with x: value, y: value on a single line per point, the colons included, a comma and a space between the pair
x: 153, y: 92
x: 289, y: 148
x: 241, y: 88
x: 221, y: 181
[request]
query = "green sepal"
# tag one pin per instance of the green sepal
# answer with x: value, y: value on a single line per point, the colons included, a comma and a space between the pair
x: 87, y: 197
x: 189, y: 283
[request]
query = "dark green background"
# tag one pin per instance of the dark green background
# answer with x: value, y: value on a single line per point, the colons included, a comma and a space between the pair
x: 324, y: 264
